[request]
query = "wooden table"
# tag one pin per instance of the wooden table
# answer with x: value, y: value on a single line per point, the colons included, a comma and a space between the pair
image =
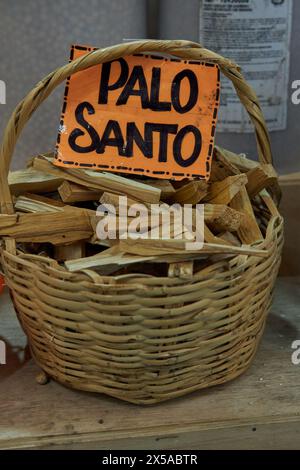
x: 260, y: 410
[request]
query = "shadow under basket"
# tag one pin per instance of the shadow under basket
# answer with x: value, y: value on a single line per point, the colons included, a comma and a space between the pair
x: 142, y: 338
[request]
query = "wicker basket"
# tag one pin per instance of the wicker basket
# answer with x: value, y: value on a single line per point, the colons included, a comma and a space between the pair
x: 142, y: 338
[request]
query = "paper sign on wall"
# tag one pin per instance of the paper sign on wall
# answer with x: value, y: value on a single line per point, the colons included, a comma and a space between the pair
x: 256, y: 35
x: 140, y: 114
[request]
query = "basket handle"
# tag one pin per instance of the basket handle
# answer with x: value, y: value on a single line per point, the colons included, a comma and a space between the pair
x: 182, y: 49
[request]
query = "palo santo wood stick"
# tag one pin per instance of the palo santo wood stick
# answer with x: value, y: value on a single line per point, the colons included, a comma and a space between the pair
x: 66, y: 226
x: 100, y: 180
x: 72, y: 192
x: 113, y: 199
x: 222, y: 192
x: 267, y: 199
x: 259, y: 178
x: 190, y: 193
x: 144, y: 247
x: 35, y: 203
x: 21, y: 181
x: 249, y: 231
x: 165, y: 186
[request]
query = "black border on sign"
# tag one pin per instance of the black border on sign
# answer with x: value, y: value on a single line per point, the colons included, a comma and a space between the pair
x: 140, y: 170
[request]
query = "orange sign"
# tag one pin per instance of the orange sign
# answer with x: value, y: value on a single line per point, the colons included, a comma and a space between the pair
x: 140, y: 114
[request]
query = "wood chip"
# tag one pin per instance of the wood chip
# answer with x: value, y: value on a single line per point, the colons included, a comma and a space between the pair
x: 221, y: 166
x: 222, y: 218
x: 259, y: 178
x: 72, y: 192
x: 29, y: 179
x: 99, y: 180
x: 249, y: 231
x: 222, y: 192
x: 165, y: 186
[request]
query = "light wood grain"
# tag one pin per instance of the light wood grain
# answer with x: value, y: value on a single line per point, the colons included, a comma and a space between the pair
x: 72, y: 192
